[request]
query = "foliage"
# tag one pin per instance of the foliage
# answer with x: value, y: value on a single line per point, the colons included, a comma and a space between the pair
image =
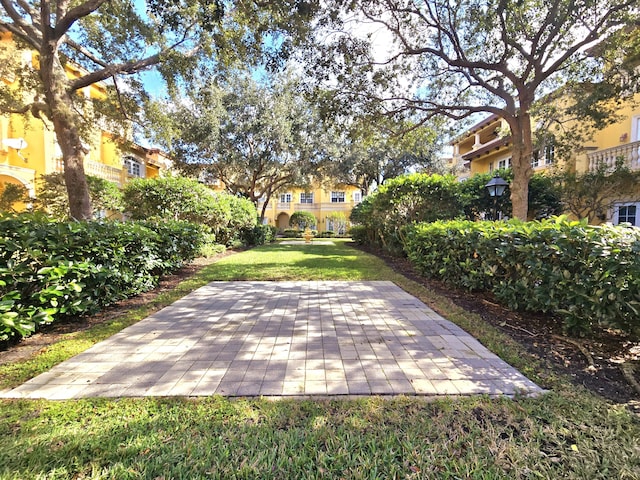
x: 256, y: 137
x: 10, y: 194
x: 404, y: 200
x: 593, y: 193
x: 180, y: 198
x: 49, y: 269
x: 544, y: 198
x: 302, y: 220
x: 338, y: 221
x: 292, y: 233
x: 567, y: 433
x: 117, y: 39
x: 583, y: 274
x: 259, y: 235
x: 52, y: 197
x: 373, y: 150
x: 456, y: 59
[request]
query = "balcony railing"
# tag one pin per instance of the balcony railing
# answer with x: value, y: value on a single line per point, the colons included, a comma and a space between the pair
x: 104, y: 171
x: 629, y: 153
x: 311, y: 207
x: 96, y: 169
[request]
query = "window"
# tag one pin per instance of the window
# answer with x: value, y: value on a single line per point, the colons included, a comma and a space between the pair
x: 544, y: 157
x: 285, y: 198
x: 549, y: 154
x: 506, y: 163
x: 134, y: 167
x: 490, y: 167
x: 306, y: 197
x: 535, y: 160
x: 337, y: 197
x: 357, y: 197
x: 626, y: 213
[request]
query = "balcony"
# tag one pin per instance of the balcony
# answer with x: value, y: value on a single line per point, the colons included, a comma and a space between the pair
x: 629, y: 153
x: 96, y: 169
x: 103, y: 171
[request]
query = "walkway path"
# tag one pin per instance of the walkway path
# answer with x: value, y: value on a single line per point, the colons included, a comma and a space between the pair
x: 285, y: 339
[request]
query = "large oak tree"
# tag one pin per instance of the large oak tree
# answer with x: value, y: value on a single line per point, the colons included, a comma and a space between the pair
x: 258, y: 137
x: 112, y: 39
x: 465, y: 57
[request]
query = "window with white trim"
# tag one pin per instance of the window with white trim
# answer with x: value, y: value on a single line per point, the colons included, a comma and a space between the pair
x: 627, y: 213
x: 134, y: 167
x: 506, y: 163
x: 337, y: 197
x: 306, y: 197
x: 357, y: 196
x: 285, y: 198
x: 535, y: 159
x: 549, y: 154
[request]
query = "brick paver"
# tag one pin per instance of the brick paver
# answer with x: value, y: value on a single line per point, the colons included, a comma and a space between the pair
x: 285, y: 339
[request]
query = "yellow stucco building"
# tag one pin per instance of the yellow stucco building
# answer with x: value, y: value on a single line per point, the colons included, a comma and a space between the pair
x: 486, y: 147
x: 323, y: 203
x: 331, y: 206
x: 28, y: 146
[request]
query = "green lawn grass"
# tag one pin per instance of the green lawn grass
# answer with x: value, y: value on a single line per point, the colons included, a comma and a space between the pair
x: 567, y: 433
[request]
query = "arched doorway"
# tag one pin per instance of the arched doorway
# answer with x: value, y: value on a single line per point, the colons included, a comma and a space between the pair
x: 282, y: 222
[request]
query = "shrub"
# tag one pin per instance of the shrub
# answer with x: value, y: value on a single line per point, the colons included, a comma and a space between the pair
x: 52, y: 269
x: 291, y: 233
x: 302, y: 220
x: 259, y: 235
x: 586, y: 275
x: 52, y: 196
x: 404, y: 200
x: 12, y: 194
x: 180, y: 198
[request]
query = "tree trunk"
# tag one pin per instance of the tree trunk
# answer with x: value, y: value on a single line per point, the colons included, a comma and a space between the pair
x: 522, y: 153
x: 264, y: 207
x: 65, y: 127
x: 74, y: 174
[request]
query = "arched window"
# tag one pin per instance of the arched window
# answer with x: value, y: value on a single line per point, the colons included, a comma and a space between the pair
x: 135, y: 168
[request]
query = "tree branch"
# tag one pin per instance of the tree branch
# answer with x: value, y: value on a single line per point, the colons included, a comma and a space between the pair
x: 72, y: 16
x: 23, y: 30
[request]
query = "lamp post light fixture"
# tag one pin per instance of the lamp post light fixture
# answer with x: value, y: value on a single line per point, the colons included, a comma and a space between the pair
x: 496, y: 187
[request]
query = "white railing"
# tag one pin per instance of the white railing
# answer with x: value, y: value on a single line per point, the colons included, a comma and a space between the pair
x: 103, y: 171
x: 629, y: 153
x: 96, y: 169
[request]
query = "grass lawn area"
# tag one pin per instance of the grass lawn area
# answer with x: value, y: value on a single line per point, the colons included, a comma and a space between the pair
x: 568, y: 433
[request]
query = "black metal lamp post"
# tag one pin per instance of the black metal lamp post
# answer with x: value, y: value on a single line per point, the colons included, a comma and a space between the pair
x: 496, y: 187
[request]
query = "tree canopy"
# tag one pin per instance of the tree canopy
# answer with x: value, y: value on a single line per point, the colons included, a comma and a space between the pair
x: 459, y: 59
x: 256, y: 137
x: 114, y: 40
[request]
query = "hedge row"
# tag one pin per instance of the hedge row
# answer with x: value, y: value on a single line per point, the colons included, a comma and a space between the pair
x: 53, y: 269
x: 586, y: 275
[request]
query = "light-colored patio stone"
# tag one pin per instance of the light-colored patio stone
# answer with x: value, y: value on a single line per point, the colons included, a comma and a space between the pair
x: 285, y: 338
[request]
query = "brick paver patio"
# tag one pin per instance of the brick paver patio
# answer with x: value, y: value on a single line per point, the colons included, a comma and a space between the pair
x: 285, y: 339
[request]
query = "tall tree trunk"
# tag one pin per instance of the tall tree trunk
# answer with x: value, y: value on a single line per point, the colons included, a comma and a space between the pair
x: 65, y: 127
x: 263, y: 211
x: 521, y: 164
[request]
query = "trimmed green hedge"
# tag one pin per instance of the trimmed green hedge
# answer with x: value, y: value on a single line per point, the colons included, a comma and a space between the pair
x: 586, y: 275
x: 52, y: 269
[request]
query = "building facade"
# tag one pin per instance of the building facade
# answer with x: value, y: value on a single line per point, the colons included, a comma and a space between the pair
x: 331, y: 207
x: 28, y: 146
x: 486, y: 147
